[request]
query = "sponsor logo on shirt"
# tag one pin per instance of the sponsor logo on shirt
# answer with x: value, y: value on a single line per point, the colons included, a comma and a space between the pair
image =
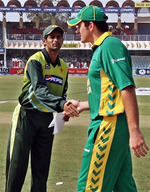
x: 54, y: 79
x: 117, y: 60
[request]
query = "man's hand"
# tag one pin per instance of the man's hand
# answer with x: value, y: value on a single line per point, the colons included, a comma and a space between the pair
x: 70, y: 108
x: 138, y: 144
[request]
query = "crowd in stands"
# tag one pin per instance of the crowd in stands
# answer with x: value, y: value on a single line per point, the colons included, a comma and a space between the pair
x: 29, y: 32
x: 124, y: 30
x: 75, y: 61
x: 74, y: 58
x: 125, y: 33
x: 18, y: 62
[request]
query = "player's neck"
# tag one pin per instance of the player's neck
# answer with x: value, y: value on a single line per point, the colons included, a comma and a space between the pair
x: 53, y: 55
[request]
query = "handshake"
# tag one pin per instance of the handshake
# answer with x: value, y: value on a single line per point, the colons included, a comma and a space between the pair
x: 72, y: 108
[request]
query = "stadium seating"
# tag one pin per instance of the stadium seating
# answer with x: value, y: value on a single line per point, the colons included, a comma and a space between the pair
x: 139, y: 62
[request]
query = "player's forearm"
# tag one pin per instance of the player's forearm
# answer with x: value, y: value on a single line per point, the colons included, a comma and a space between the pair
x: 137, y: 142
x: 83, y: 106
x: 131, y: 108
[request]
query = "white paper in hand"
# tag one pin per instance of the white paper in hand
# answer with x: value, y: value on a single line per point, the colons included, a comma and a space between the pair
x: 57, y: 122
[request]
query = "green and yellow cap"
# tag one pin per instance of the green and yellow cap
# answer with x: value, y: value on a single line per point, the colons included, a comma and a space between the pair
x: 88, y: 13
x: 48, y: 30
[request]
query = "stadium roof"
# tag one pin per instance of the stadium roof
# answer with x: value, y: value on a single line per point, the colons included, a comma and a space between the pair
x: 103, y: 3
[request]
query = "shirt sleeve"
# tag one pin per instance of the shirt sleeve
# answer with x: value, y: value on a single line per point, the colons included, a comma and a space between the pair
x: 40, y: 89
x: 116, y: 63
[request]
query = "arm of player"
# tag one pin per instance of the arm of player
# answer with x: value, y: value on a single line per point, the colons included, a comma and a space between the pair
x: 137, y: 142
x: 83, y: 106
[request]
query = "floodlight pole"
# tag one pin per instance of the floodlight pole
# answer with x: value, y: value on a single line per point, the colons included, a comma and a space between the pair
x: 4, y: 38
x: 5, y: 63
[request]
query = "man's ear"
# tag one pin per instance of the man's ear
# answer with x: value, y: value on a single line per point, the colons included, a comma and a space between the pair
x: 44, y: 41
x: 91, y: 26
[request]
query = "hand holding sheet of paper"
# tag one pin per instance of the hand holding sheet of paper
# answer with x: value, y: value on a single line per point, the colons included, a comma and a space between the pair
x: 57, y: 122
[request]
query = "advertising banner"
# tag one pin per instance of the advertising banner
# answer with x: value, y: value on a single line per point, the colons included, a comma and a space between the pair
x: 64, y: 9
x: 2, y: 50
x: 143, y: 72
x: 142, y: 4
x: 40, y: 9
x: 78, y: 71
x: 4, y: 70
x: 143, y: 91
x: 127, y: 10
x: 73, y: 71
x: 70, y: 45
x: 111, y: 10
x: 17, y: 71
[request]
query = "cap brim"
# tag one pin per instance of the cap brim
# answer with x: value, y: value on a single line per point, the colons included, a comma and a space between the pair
x: 73, y: 22
x: 53, y: 29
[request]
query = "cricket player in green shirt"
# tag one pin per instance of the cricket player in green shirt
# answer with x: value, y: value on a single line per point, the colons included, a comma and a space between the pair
x: 43, y: 92
x: 106, y: 164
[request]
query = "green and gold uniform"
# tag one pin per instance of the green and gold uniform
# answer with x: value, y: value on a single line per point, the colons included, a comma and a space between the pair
x: 44, y: 92
x: 106, y: 164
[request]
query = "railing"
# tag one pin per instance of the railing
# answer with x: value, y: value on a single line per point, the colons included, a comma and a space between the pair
x: 24, y: 36
x: 76, y: 37
x: 133, y: 37
x: 67, y: 37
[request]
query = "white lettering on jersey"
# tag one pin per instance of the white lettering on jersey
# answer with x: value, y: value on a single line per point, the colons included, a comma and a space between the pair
x: 117, y: 60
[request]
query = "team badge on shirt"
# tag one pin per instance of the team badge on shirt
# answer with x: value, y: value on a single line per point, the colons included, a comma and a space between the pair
x: 54, y: 79
x: 47, y: 66
x: 61, y: 70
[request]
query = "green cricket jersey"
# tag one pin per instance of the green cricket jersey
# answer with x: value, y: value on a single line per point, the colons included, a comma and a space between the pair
x: 45, y: 84
x: 110, y: 72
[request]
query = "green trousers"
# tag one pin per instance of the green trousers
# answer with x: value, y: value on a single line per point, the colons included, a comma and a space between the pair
x: 29, y: 135
x: 106, y: 164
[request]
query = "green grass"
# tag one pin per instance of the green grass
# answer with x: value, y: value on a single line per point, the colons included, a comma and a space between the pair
x: 10, y: 87
x: 69, y: 143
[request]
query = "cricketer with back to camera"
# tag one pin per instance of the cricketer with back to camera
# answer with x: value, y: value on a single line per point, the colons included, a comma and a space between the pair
x: 114, y: 127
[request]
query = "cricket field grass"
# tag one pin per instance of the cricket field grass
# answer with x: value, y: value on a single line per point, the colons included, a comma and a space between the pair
x: 69, y: 143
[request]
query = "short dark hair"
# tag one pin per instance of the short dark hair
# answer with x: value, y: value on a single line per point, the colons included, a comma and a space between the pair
x: 101, y: 25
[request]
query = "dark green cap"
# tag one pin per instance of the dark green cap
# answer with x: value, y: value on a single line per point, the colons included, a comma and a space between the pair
x: 89, y: 13
x: 48, y: 30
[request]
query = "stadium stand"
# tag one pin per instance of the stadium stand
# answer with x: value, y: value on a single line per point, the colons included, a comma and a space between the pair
x: 144, y: 29
x: 139, y: 62
x: 18, y: 40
